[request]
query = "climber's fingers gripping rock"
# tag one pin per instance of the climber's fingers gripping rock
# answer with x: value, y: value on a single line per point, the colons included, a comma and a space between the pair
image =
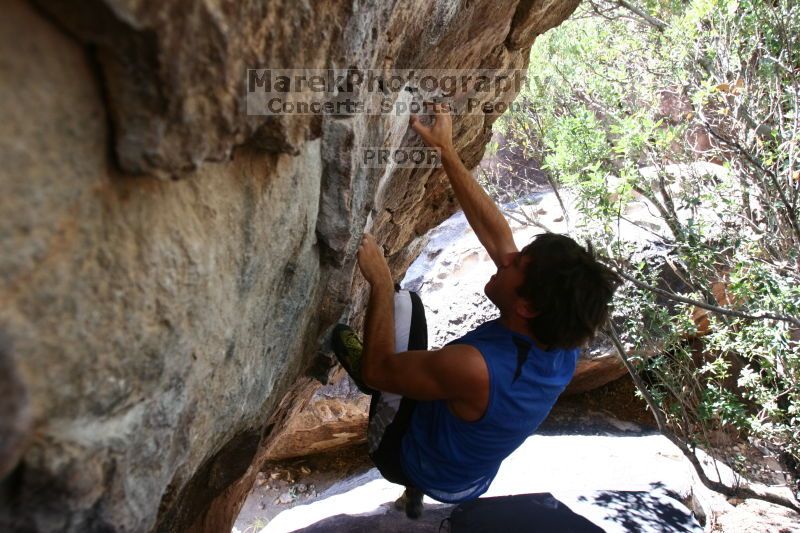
x: 372, y: 263
x: 440, y: 133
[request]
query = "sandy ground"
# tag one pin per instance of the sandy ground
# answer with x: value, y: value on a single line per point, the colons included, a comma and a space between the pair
x: 286, y: 484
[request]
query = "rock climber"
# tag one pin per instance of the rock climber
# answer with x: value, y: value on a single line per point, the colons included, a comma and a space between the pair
x: 441, y: 421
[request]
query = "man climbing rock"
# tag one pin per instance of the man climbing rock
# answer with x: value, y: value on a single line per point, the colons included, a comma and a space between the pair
x: 445, y: 419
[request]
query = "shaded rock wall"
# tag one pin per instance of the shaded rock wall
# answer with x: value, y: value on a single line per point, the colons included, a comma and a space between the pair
x: 169, y: 265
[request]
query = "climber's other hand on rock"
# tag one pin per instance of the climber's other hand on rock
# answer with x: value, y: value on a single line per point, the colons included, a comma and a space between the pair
x: 440, y: 133
x: 372, y: 263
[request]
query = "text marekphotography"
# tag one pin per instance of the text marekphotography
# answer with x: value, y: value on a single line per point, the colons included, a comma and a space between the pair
x: 378, y: 92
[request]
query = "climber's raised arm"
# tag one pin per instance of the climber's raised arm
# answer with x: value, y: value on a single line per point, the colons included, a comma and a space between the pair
x: 483, y: 215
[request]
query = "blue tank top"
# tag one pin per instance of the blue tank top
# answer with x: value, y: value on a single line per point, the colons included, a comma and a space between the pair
x: 452, y: 460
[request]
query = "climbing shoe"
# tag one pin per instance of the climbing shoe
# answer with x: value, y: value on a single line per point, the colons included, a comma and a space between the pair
x: 410, y: 502
x: 348, y: 349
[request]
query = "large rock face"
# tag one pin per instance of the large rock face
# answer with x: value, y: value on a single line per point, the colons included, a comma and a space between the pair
x: 169, y: 265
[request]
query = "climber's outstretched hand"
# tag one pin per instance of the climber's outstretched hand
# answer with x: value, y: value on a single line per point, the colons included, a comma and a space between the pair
x: 372, y: 263
x: 440, y: 133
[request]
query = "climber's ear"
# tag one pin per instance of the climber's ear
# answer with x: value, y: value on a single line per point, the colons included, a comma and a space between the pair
x: 524, y: 308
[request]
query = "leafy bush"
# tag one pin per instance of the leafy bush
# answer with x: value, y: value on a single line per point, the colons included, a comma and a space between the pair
x: 692, y: 109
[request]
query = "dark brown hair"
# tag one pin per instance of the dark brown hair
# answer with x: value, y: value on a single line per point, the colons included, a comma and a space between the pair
x: 569, y: 290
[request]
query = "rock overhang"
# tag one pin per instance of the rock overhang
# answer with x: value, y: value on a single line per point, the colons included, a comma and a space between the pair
x: 160, y: 328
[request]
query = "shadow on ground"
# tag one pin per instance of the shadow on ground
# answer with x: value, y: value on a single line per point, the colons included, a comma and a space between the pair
x: 610, y: 511
x: 386, y: 519
x: 644, y: 511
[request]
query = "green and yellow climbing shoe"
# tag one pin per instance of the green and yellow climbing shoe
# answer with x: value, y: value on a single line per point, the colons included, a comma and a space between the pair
x: 348, y: 349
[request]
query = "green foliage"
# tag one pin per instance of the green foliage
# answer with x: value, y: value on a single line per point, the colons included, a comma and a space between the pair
x: 694, y: 110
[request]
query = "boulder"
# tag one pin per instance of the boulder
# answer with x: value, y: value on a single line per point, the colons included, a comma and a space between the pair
x: 595, y: 370
x: 170, y: 264
x: 335, y: 417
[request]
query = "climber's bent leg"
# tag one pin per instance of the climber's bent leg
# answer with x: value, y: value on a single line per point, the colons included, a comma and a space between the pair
x: 390, y: 414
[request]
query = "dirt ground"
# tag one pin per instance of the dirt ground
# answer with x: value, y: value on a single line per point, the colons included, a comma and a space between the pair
x: 617, y: 399
x: 282, y: 485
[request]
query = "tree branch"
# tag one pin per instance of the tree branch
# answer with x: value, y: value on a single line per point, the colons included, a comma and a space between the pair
x: 791, y: 215
x: 702, y: 305
x: 643, y: 16
x: 654, y: 22
x: 717, y: 486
